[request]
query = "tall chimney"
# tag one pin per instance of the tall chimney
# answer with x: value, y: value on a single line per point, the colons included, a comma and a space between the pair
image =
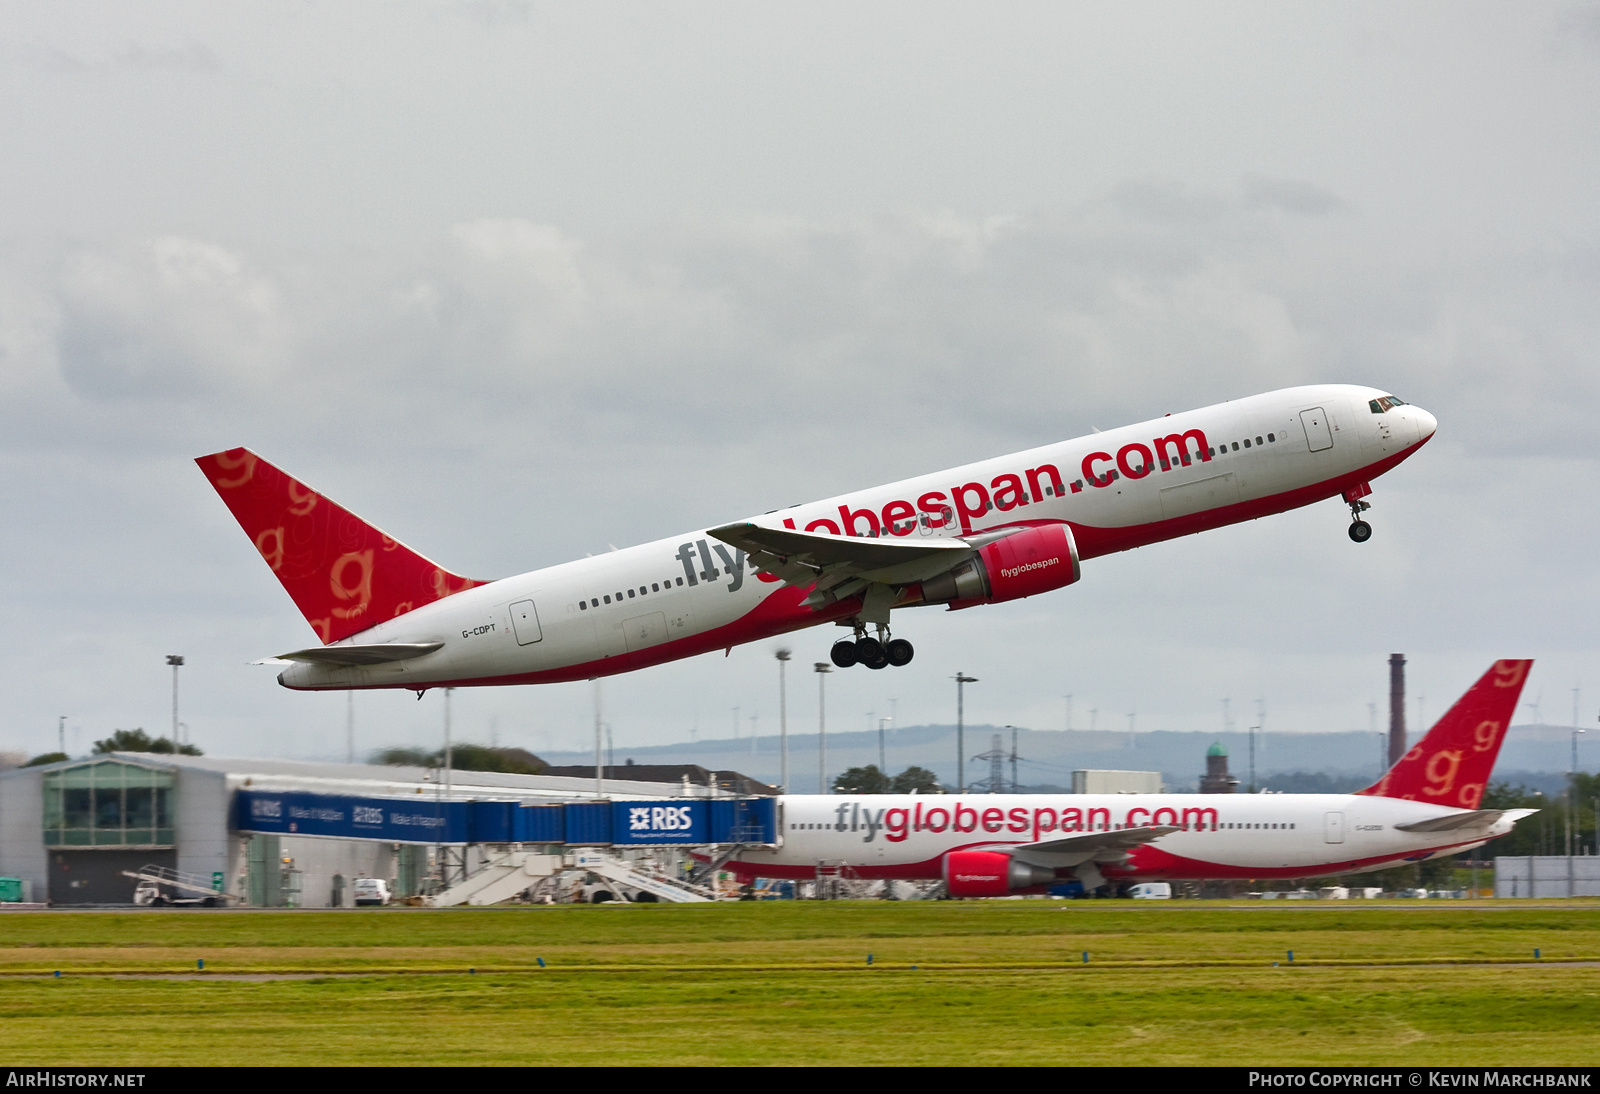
x: 1397, y: 707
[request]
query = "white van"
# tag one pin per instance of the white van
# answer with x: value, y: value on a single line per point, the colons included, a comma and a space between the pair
x: 370, y: 890
x: 1152, y: 890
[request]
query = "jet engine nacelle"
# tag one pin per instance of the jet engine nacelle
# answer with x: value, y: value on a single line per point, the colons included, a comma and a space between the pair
x: 990, y: 873
x: 1034, y: 560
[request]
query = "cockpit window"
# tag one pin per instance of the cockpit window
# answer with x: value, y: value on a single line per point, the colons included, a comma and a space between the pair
x: 1388, y: 402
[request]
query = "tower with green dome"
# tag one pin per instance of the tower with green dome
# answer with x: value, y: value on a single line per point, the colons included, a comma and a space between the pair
x: 1216, y: 780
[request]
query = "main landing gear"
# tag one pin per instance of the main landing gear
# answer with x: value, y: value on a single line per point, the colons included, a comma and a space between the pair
x: 875, y: 653
x: 1360, y: 530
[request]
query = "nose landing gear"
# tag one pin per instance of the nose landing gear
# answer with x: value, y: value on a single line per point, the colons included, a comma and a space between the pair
x: 875, y: 653
x: 1360, y: 530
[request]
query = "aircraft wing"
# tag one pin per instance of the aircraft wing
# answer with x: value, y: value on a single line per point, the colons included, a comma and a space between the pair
x: 1094, y: 842
x: 841, y: 566
x: 376, y: 653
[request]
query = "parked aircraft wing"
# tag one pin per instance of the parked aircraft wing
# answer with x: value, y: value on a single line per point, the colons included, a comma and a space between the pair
x: 1091, y: 842
x: 377, y: 653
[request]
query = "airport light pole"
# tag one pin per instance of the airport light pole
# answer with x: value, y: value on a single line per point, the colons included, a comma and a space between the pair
x: 599, y: 755
x: 961, y: 679
x: 821, y: 668
x: 783, y: 656
x: 177, y: 663
x: 1253, y: 758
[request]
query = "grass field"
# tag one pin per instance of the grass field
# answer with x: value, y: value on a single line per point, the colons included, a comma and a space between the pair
x: 789, y: 983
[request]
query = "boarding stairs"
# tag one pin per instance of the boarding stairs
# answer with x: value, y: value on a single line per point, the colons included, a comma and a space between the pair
x: 705, y: 873
x: 839, y: 881
x: 198, y: 884
x: 502, y: 877
x: 626, y: 873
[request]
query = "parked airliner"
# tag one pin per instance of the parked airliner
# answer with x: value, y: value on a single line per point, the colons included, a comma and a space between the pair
x: 998, y: 844
x: 989, y: 532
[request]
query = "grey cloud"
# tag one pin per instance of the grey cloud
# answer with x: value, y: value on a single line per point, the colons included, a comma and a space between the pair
x: 1291, y: 196
x: 167, y: 318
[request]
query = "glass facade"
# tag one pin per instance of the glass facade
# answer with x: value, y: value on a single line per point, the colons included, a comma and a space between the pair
x: 108, y: 803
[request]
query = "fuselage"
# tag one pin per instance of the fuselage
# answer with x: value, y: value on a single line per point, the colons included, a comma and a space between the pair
x: 690, y: 594
x: 1220, y: 835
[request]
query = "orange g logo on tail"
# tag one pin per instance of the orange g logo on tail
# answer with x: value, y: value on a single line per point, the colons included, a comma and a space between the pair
x: 270, y: 544
x: 302, y: 500
x: 1441, y: 772
x: 1486, y: 736
x: 244, y: 463
x: 359, y: 589
x: 1510, y: 674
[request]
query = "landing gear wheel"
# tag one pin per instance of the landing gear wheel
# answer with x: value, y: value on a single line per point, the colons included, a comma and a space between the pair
x: 871, y: 653
x: 1360, y: 531
x: 844, y: 653
x: 900, y: 652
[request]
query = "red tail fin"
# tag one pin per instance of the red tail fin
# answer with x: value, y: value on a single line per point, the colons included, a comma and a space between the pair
x: 1451, y: 765
x: 342, y: 573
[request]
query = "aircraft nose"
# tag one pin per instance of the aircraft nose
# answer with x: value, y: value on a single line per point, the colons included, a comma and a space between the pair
x: 1426, y: 423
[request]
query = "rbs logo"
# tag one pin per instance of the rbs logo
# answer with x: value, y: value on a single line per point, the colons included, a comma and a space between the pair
x: 659, y: 818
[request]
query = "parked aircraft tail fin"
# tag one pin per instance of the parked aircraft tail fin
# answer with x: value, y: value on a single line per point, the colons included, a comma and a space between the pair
x: 342, y: 573
x: 1451, y: 764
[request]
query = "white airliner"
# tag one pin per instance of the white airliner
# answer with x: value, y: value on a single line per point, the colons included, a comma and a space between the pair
x: 998, y: 844
x: 985, y: 533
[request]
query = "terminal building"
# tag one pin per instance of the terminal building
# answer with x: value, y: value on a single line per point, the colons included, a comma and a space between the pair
x: 283, y: 833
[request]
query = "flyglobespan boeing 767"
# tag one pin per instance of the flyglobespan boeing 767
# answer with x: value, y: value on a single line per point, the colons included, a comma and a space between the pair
x: 997, y: 530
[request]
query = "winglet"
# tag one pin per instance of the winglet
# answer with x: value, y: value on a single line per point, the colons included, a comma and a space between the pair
x: 342, y: 573
x: 1451, y: 765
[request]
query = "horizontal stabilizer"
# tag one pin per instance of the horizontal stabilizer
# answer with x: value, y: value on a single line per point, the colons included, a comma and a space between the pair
x: 376, y: 653
x: 1455, y: 822
x: 1125, y: 840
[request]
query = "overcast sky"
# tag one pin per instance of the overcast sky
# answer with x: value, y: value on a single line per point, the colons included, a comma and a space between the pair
x: 519, y: 281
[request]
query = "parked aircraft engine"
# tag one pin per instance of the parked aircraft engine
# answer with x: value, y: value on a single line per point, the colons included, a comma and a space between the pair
x: 1034, y: 560
x: 991, y: 873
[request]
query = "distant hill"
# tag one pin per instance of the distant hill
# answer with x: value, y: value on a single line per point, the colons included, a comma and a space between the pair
x: 1048, y: 757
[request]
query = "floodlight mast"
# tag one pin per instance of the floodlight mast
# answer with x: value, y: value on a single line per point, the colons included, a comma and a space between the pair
x: 783, y: 656
x: 822, y: 668
x: 961, y: 680
x: 176, y: 662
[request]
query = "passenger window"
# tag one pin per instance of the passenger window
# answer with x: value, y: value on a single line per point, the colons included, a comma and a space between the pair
x: 594, y: 603
x: 1247, y: 442
x: 1258, y: 440
x: 680, y: 581
x: 608, y: 598
x: 619, y: 596
x: 630, y: 594
x: 1271, y: 439
x: 1236, y: 446
x: 583, y: 605
x: 642, y: 590
x: 655, y: 587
